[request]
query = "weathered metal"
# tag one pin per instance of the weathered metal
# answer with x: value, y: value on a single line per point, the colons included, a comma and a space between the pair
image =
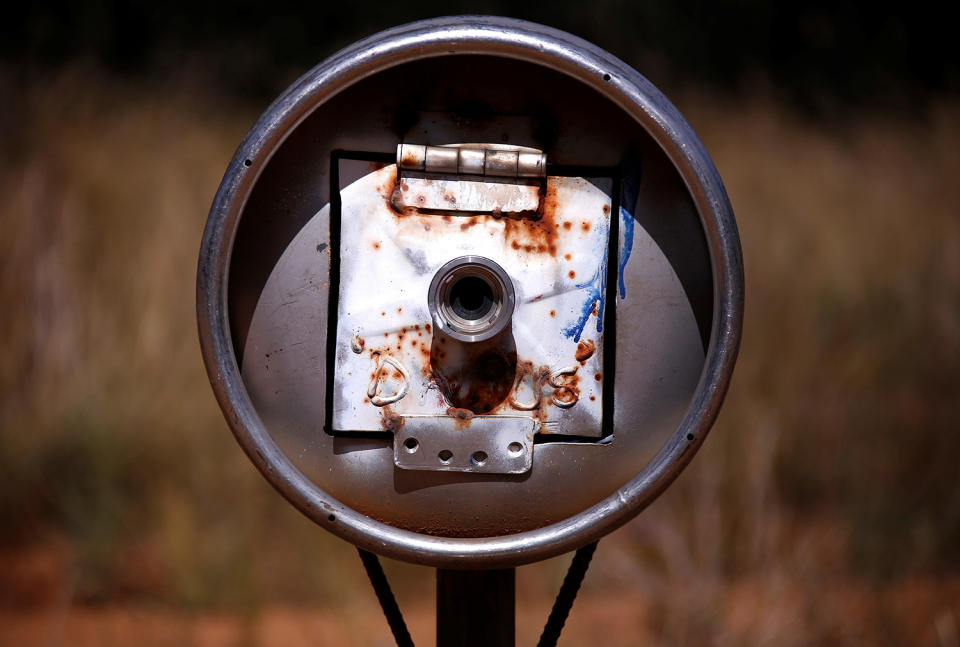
x: 632, y: 392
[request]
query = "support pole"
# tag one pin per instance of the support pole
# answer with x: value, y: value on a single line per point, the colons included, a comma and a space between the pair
x: 476, y: 608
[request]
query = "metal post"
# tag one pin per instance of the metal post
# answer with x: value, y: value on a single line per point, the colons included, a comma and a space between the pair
x: 476, y: 608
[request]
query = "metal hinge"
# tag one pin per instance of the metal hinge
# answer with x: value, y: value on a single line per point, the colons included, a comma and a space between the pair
x: 469, y: 178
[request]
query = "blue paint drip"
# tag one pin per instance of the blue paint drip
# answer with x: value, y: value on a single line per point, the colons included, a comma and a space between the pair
x: 596, y: 289
x: 628, y: 202
x: 627, y: 223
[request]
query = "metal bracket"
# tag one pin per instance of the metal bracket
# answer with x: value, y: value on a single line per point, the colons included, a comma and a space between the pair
x: 477, y: 444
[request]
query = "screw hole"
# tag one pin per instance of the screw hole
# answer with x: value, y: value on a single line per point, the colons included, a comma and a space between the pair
x: 606, y: 77
x: 247, y: 162
x: 332, y: 517
x: 445, y: 455
x: 411, y: 444
x: 478, y: 458
x: 515, y: 449
x: 689, y: 436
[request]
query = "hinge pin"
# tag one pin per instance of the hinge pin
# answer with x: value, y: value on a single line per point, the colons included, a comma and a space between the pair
x: 477, y: 159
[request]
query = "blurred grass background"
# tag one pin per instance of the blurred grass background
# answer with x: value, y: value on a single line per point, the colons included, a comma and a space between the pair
x: 823, y: 509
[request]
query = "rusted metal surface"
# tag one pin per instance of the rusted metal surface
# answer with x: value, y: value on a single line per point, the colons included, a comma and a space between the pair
x: 556, y: 260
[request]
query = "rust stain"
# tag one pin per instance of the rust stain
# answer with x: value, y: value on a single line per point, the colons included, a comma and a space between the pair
x: 376, y: 244
x: 585, y: 226
x: 463, y: 414
x: 567, y: 257
x: 585, y: 351
x: 462, y: 417
x: 391, y: 421
x: 553, y: 313
x: 598, y: 377
x: 572, y: 274
x: 478, y: 380
x: 606, y: 209
x: 471, y: 222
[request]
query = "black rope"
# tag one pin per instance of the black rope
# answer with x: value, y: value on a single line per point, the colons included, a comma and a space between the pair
x: 387, y: 602
x: 568, y: 593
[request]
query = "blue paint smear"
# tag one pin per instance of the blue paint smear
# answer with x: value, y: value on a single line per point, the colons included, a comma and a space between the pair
x: 628, y: 201
x: 596, y: 287
x: 626, y: 223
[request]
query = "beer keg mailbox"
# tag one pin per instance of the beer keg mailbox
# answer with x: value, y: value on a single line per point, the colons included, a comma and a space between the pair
x: 470, y: 293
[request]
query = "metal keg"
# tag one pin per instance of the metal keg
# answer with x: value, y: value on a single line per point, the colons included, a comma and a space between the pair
x: 470, y: 293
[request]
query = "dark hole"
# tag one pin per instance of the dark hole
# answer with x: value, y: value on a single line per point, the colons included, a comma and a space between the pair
x: 332, y: 518
x: 606, y: 77
x: 689, y: 436
x: 247, y: 162
x: 471, y: 298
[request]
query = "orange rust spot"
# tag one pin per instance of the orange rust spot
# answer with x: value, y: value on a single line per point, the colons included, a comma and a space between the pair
x: 585, y: 226
x: 427, y: 326
x: 404, y: 186
x: 592, y: 398
x: 376, y: 244
x: 606, y: 209
x: 391, y: 421
x: 462, y: 414
x: 553, y: 313
x: 598, y: 377
x: 572, y: 274
x: 585, y: 350
x: 400, y: 336
x: 397, y: 375
x: 399, y: 308
x: 567, y: 257
x: 383, y: 314
x: 469, y: 223
x: 567, y: 224
x: 461, y: 417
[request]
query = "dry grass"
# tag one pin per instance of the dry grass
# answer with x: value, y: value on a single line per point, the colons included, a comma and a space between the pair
x: 825, y: 508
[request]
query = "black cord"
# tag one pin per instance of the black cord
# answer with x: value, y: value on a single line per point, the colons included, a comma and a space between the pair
x: 568, y: 593
x: 387, y: 602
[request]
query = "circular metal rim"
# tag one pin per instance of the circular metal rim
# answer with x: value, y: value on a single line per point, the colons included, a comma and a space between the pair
x: 595, y: 68
x: 441, y: 284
